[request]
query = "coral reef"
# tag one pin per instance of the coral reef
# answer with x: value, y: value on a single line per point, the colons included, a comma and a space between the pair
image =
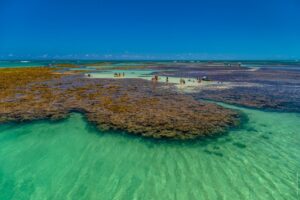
x: 266, y: 87
x: 137, y: 106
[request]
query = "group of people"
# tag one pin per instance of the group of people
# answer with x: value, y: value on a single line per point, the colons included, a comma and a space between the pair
x: 182, y: 81
x: 156, y: 78
x: 119, y: 75
x: 199, y: 79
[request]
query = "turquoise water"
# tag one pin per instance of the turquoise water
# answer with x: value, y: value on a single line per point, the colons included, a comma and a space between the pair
x: 70, y: 159
x: 116, y: 65
x: 145, y: 74
x: 20, y: 64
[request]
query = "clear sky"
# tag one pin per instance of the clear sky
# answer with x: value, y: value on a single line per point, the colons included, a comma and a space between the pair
x: 150, y: 29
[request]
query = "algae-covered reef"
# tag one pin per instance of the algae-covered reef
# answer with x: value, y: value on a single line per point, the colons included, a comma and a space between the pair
x: 137, y: 106
x: 267, y: 87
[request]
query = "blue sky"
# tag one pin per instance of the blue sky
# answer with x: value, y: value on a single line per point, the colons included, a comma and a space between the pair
x: 132, y: 29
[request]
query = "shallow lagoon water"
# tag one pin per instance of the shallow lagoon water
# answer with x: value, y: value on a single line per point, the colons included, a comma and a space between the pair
x: 20, y: 64
x: 146, y: 75
x: 70, y: 159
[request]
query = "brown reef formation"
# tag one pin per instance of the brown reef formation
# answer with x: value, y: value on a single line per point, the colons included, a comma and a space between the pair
x: 276, y: 89
x: 136, y: 106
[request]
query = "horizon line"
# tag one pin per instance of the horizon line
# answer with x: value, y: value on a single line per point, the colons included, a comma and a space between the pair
x: 85, y: 59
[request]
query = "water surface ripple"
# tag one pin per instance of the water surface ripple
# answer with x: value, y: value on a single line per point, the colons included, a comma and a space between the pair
x: 70, y: 159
